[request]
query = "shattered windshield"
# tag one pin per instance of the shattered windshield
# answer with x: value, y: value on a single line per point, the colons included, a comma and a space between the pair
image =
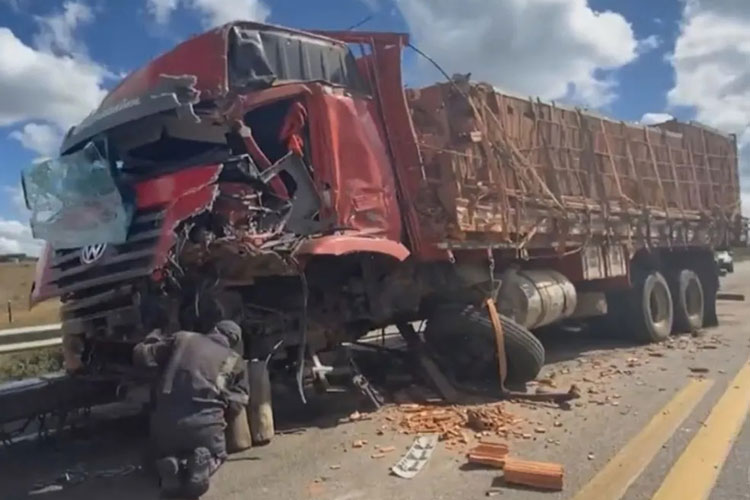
x: 75, y: 200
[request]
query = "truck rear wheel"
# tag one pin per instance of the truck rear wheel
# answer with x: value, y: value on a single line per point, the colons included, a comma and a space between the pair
x: 687, y: 295
x: 463, y: 338
x: 649, y: 308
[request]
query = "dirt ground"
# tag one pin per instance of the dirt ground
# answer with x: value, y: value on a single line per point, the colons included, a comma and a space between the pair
x: 15, y: 284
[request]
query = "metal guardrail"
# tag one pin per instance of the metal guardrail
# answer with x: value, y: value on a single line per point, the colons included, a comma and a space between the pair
x: 30, y: 337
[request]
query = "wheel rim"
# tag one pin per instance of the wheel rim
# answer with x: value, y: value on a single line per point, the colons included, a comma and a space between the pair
x: 659, y: 303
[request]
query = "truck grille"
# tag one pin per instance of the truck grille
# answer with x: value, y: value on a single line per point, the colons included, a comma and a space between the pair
x: 99, y: 298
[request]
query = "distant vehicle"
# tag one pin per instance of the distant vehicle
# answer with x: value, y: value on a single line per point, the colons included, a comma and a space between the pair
x: 725, y: 261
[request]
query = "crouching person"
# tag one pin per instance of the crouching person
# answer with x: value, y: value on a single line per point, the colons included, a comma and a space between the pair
x: 203, y: 382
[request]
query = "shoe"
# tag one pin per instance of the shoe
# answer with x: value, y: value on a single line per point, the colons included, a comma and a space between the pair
x: 198, y: 473
x: 169, y: 479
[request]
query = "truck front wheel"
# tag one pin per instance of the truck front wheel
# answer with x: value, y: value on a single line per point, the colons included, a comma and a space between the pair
x: 687, y: 294
x: 463, y: 338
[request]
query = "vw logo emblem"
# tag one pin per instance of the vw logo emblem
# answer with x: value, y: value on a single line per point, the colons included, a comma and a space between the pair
x: 92, y: 253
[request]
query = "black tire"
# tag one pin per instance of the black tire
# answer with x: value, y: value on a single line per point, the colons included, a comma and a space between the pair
x: 707, y: 270
x: 730, y: 267
x: 649, y: 307
x: 688, y: 299
x: 464, y: 340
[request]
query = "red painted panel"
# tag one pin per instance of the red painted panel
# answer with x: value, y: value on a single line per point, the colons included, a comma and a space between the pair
x: 204, y: 56
x: 190, y: 203
x: 165, y: 189
x: 343, y: 244
x: 383, y: 70
x: 351, y: 163
x: 184, y: 193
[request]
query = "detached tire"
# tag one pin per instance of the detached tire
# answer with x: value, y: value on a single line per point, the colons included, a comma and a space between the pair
x: 463, y: 339
x: 688, y: 298
x: 650, y: 311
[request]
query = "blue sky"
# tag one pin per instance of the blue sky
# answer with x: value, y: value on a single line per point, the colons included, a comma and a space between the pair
x: 616, y: 55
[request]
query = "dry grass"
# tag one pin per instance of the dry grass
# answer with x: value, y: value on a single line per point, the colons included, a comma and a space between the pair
x: 30, y: 364
x: 15, y: 284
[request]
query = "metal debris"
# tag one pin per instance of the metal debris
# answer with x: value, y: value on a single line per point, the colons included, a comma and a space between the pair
x: 72, y: 477
x: 417, y: 456
x: 740, y: 297
x: 698, y: 369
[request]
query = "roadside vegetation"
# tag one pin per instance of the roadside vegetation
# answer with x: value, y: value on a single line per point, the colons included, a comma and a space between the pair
x: 15, y: 284
x: 30, y: 364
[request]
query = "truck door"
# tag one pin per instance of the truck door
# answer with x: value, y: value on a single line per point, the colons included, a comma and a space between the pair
x: 351, y: 162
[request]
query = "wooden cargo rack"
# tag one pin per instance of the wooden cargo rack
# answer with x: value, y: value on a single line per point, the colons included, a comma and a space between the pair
x: 523, y: 174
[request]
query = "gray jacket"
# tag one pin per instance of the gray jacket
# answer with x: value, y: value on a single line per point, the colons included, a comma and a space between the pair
x: 201, y: 379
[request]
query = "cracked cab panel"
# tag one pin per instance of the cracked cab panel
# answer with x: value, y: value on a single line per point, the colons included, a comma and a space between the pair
x: 234, y: 164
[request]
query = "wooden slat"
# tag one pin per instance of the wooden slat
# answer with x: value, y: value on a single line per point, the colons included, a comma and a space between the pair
x: 612, y: 165
x: 540, y: 173
x: 656, y: 169
x: 707, y: 168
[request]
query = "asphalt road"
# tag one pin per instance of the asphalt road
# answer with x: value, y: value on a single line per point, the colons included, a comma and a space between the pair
x: 647, y: 426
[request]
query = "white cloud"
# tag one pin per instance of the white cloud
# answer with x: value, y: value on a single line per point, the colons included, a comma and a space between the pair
x: 373, y: 5
x: 38, y: 85
x: 654, y: 118
x: 41, y: 138
x: 15, y: 237
x: 551, y: 48
x: 51, y: 83
x: 56, y: 31
x: 213, y: 12
x: 712, y: 74
x: 161, y: 9
x: 651, y: 42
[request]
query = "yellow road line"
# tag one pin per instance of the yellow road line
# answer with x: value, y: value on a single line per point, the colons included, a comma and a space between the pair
x: 694, y: 474
x: 614, y: 479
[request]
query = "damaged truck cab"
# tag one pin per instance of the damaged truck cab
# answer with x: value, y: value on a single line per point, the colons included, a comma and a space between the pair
x: 269, y: 176
x: 242, y: 155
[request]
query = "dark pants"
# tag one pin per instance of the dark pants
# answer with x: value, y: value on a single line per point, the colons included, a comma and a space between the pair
x: 181, y: 439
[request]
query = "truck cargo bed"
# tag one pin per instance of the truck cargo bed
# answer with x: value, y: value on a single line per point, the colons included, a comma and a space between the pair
x: 521, y: 173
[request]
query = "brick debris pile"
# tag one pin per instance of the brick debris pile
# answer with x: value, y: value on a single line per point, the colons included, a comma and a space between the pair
x: 456, y: 425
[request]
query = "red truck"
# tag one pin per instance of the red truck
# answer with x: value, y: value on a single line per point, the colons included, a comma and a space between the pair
x: 286, y: 179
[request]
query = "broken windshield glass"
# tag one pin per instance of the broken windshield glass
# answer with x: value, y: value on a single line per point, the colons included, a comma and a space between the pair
x: 75, y: 200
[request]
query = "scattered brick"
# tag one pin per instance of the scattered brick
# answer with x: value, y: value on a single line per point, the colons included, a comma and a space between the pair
x: 455, y: 425
x: 542, y: 475
x: 488, y: 453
